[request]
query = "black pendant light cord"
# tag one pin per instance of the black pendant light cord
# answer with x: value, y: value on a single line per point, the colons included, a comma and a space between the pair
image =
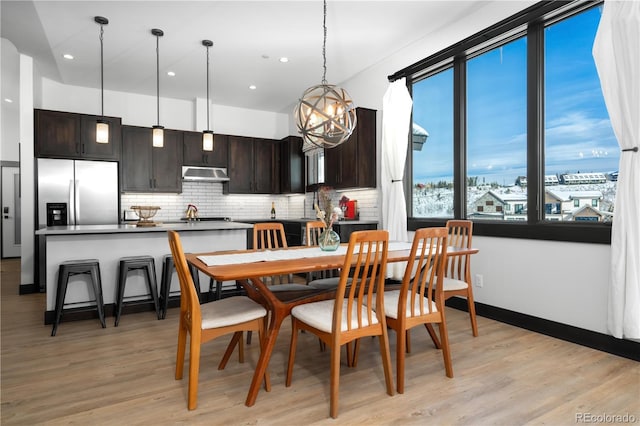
x: 158, y: 78
x: 208, y: 128
x: 101, y: 71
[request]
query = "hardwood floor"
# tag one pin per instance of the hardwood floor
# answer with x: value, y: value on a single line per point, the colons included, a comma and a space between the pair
x: 124, y: 375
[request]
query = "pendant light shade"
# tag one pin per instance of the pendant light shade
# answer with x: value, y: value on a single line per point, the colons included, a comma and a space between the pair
x: 207, y: 135
x: 326, y: 114
x: 158, y: 130
x: 102, y: 127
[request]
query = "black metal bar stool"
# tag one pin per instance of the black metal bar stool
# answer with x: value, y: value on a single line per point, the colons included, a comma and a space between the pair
x: 78, y: 267
x: 165, y: 283
x: 133, y: 263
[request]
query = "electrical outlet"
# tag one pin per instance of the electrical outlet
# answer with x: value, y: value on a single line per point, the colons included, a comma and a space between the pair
x: 479, y: 280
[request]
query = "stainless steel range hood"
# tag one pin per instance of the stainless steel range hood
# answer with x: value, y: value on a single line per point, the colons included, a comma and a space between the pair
x: 204, y: 174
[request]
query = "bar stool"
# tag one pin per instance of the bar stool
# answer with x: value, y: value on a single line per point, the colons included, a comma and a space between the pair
x: 133, y: 263
x: 78, y: 267
x: 165, y: 283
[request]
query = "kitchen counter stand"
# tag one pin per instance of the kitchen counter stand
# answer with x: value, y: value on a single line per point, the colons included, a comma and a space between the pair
x: 109, y: 243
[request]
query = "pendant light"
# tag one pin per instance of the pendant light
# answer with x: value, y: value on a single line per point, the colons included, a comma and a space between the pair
x: 326, y: 114
x: 102, y: 126
x: 207, y: 135
x: 158, y: 130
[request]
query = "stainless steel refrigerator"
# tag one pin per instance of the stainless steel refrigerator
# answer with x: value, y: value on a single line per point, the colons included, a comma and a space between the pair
x: 87, y: 189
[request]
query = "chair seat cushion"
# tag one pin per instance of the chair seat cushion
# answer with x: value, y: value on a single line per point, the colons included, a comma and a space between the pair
x: 229, y: 311
x: 327, y: 283
x: 320, y: 315
x: 450, y: 284
x: 391, y: 304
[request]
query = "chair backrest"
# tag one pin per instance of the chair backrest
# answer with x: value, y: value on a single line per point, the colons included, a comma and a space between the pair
x: 460, y: 233
x: 269, y: 235
x: 314, y: 229
x: 189, y: 302
x: 365, y: 263
x: 428, y: 257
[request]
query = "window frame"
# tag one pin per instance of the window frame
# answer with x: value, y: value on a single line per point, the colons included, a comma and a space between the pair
x: 531, y: 22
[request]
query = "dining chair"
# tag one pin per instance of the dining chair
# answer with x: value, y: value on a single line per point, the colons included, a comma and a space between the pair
x: 457, y: 278
x: 270, y: 235
x: 348, y: 317
x: 420, y: 298
x: 208, y: 321
x: 319, y: 279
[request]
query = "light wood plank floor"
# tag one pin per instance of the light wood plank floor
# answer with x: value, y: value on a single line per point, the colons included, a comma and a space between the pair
x: 124, y: 375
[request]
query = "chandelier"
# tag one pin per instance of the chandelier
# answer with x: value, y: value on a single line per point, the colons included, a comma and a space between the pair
x: 326, y: 114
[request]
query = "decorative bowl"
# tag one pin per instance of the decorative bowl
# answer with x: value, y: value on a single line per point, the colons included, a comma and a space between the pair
x: 145, y: 213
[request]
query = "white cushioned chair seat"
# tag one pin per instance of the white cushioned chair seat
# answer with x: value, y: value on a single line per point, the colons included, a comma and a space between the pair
x: 327, y: 283
x: 320, y: 315
x: 450, y: 284
x: 229, y: 311
x: 391, y: 304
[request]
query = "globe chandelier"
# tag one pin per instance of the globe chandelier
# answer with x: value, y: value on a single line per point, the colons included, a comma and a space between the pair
x: 325, y: 115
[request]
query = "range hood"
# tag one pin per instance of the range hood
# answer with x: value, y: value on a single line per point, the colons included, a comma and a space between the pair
x: 204, y: 174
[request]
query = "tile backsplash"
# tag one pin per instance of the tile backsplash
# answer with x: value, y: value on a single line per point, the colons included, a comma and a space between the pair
x: 210, y: 200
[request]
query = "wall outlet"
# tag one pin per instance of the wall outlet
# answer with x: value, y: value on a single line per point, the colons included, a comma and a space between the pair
x: 479, y: 280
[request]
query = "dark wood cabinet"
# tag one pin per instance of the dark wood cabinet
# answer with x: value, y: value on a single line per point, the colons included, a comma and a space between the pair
x: 353, y: 163
x: 252, y: 166
x: 193, y: 155
x: 291, y: 165
x: 148, y: 169
x: 69, y: 135
x: 344, y: 228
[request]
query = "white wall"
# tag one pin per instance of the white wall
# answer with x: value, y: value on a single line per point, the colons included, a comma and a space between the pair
x: 9, y: 133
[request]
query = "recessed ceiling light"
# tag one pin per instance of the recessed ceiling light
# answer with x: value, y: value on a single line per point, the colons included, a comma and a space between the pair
x: 284, y: 59
x: 253, y: 87
x: 171, y: 74
x: 8, y: 100
x: 67, y: 56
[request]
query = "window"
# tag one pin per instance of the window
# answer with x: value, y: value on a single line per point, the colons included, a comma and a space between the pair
x: 579, y: 140
x: 517, y: 130
x: 432, y: 146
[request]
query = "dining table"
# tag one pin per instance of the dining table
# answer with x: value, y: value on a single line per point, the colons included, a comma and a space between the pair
x: 248, y: 267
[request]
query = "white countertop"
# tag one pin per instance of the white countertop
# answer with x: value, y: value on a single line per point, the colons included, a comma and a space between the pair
x: 132, y: 228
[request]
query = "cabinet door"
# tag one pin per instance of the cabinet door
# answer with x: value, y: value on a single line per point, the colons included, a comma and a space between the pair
x: 136, y: 164
x: 240, y: 166
x: 90, y: 149
x: 57, y: 134
x: 291, y: 166
x: 167, y: 163
x: 195, y: 156
x: 264, y: 170
x: 366, y: 129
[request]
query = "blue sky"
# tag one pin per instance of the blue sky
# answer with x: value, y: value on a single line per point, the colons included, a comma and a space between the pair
x: 578, y: 133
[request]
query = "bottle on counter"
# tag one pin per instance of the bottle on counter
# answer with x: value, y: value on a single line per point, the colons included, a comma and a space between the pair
x: 273, y: 210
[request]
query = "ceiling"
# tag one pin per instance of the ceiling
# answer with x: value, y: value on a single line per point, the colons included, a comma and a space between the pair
x: 249, y: 38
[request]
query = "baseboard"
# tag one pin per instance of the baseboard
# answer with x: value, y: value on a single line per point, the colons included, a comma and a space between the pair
x: 603, y: 342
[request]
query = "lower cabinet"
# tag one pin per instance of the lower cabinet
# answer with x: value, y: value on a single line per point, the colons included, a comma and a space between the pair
x: 345, y: 228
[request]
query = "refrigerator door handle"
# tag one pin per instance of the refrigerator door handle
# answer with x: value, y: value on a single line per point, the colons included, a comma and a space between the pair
x: 77, y: 206
x: 71, y: 217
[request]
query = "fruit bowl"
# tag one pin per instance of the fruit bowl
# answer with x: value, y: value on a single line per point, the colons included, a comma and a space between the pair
x: 145, y: 213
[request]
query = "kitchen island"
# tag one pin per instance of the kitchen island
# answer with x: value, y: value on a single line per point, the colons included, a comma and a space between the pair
x: 108, y: 243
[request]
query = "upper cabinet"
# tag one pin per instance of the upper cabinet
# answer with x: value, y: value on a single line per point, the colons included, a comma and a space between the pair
x: 253, y: 163
x: 148, y: 169
x: 195, y: 156
x: 291, y: 165
x: 353, y: 163
x: 68, y: 135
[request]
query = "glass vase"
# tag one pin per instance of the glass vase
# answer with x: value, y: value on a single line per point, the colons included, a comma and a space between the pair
x: 329, y: 240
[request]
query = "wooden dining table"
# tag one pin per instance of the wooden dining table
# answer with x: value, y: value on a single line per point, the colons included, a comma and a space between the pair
x: 248, y: 267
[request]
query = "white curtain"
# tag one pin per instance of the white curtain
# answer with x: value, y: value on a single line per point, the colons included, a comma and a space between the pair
x: 396, y: 117
x: 616, y: 52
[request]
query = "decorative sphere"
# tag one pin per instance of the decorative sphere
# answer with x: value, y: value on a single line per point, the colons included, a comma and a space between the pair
x: 326, y: 115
